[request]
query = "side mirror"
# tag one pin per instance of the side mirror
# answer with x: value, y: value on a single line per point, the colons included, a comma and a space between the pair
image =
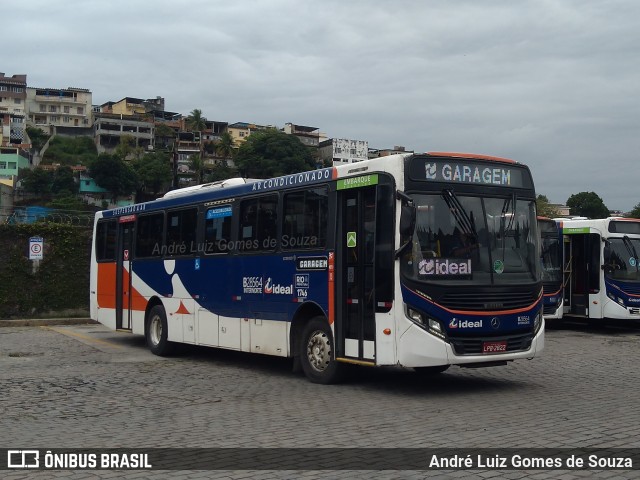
x: 407, y: 220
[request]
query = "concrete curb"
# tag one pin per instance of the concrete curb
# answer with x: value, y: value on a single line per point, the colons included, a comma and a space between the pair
x: 39, y: 322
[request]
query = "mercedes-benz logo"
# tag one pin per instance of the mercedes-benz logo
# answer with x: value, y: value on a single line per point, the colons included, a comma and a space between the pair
x: 495, y: 323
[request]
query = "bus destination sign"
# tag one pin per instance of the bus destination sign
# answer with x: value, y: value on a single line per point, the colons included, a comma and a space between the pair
x: 469, y: 172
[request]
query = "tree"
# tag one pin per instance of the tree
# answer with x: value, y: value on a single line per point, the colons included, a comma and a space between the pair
x: 37, y: 181
x: 126, y: 148
x: 195, y: 120
x: 154, y: 172
x: 112, y: 173
x: 221, y: 172
x: 164, y: 136
x: 587, y: 204
x: 63, y: 181
x: 226, y: 147
x: 196, y: 163
x: 635, y: 213
x: 545, y: 209
x: 38, y: 137
x: 271, y: 153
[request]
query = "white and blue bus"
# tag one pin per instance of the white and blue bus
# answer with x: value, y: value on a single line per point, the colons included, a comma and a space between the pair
x: 601, y: 268
x: 420, y: 261
x: 552, y: 275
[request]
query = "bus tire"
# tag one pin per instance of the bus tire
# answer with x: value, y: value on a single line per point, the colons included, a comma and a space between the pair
x: 156, y: 331
x: 431, y: 371
x: 317, y: 353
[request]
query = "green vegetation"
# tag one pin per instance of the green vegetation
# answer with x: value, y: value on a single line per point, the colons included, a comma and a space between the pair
x: 70, y: 151
x: 195, y: 120
x: 545, y: 209
x: 271, y: 153
x: 153, y: 172
x: 38, y: 138
x: 49, y: 182
x: 61, y: 282
x: 587, y: 204
x: 635, y: 213
x: 113, y: 174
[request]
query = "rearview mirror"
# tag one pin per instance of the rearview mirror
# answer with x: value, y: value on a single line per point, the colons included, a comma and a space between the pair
x: 407, y: 220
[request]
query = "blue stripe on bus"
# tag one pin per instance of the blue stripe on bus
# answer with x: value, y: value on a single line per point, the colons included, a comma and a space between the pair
x: 266, y: 287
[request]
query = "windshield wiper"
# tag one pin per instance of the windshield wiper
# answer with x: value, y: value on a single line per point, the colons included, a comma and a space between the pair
x: 459, y: 213
x: 505, y: 210
x: 630, y: 248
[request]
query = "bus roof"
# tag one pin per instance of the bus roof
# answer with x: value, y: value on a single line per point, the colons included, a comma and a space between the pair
x: 471, y: 155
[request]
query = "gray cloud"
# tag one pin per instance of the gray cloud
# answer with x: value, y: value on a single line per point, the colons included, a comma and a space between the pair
x: 551, y: 83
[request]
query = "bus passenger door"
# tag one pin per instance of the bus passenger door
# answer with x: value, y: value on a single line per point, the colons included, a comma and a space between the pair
x: 582, y: 271
x: 124, y: 255
x: 355, y: 319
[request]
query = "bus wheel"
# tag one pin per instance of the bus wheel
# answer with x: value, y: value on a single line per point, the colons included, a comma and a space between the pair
x: 429, y: 371
x: 317, y: 354
x: 156, y: 332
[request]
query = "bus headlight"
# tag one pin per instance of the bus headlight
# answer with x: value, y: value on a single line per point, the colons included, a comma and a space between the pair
x: 416, y: 317
x: 435, y: 328
x: 618, y: 300
x: 537, y: 323
x: 423, y: 321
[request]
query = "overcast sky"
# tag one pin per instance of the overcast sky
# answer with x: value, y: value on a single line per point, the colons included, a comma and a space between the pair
x: 551, y: 83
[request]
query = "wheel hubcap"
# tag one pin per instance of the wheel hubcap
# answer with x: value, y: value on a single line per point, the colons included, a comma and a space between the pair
x: 155, y: 329
x: 319, y: 351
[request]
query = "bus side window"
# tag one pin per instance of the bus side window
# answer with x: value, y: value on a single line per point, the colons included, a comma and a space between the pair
x: 248, y: 219
x: 181, y: 231
x: 305, y: 219
x: 217, y: 230
x: 149, y: 234
x: 106, y: 241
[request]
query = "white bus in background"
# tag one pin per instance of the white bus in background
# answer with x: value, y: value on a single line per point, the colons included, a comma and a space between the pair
x: 601, y: 271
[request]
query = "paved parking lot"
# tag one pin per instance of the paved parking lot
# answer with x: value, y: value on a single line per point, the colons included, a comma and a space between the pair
x: 82, y: 386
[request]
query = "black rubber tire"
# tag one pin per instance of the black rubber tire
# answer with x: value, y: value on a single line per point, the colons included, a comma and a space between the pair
x: 431, y: 371
x: 156, y: 331
x: 317, y: 353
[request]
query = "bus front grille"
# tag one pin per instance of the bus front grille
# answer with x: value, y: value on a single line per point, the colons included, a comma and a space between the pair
x: 488, y: 300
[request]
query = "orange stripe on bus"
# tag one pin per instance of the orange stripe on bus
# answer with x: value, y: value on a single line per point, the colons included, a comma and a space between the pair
x: 106, y: 285
x: 478, y: 313
x: 472, y: 155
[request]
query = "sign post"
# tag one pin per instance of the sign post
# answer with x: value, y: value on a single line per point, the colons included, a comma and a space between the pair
x: 36, y: 247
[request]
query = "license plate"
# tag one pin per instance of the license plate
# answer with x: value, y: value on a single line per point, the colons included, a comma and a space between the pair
x: 494, y: 347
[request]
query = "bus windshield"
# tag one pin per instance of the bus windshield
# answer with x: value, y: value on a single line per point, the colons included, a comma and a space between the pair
x: 621, y: 259
x: 465, y: 240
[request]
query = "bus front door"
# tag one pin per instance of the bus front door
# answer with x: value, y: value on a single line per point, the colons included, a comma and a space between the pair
x: 582, y: 272
x: 355, y: 320
x: 124, y: 254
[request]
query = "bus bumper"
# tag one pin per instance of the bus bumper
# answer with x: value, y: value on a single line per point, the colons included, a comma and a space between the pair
x: 418, y: 348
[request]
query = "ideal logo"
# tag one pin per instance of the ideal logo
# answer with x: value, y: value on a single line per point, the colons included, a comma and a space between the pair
x: 277, y: 289
x: 455, y: 323
x: 430, y: 171
x: 444, y: 266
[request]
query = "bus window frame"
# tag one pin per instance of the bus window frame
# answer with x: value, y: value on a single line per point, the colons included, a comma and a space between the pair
x: 189, y: 252
x: 162, y: 212
x: 105, y: 221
